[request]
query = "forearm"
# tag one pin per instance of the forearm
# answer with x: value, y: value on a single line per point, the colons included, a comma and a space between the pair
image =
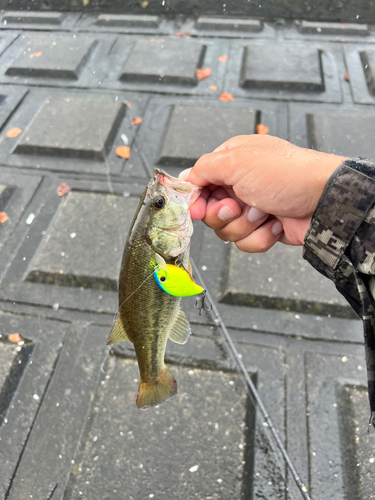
x: 340, y: 244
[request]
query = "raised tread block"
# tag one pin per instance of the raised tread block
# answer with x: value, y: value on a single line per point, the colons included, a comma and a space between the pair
x: 25, y: 371
x: 225, y: 24
x: 195, y: 130
x: 52, y: 56
x: 274, y: 66
x: 92, y: 127
x: 326, y: 28
x: 23, y: 17
x: 341, y: 135
x: 368, y: 63
x: 78, y: 250
x: 165, y: 61
x: 280, y: 279
x: 6, y: 193
x: 127, y: 20
x: 64, y: 413
x: 341, y: 446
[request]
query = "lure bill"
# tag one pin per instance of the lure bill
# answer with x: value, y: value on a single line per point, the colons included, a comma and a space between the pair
x: 148, y: 314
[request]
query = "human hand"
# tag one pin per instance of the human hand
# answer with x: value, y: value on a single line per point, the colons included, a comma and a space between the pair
x: 259, y: 189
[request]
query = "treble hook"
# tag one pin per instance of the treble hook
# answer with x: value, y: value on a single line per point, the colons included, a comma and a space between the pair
x: 200, y: 303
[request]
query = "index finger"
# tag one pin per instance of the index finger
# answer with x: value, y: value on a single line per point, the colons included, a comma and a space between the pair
x: 219, y: 168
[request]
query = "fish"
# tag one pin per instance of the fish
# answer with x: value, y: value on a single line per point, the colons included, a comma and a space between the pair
x: 148, y: 315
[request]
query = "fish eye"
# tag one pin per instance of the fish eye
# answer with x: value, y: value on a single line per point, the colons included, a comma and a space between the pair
x: 162, y: 278
x: 158, y: 202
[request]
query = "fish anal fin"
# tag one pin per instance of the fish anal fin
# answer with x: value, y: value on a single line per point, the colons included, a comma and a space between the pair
x: 152, y: 394
x: 180, y: 330
x: 118, y: 333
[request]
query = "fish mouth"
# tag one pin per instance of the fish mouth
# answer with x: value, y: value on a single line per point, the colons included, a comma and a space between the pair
x: 184, y: 191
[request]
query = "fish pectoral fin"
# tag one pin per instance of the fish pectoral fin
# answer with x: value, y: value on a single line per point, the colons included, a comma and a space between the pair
x: 180, y: 330
x: 118, y: 333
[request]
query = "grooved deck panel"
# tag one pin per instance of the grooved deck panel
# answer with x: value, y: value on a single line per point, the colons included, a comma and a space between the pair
x: 38, y: 20
x: 343, y: 130
x: 23, y: 17
x: 126, y: 20
x: 57, y: 56
x: 170, y: 62
x: 185, y: 434
x: 344, y: 135
x: 341, y: 450
x: 360, y: 64
x: 224, y: 24
x: 70, y: 256
x: 293, y: 67
x: 195, y: 130
x: 346, y: 29
x: 177, y: 131
x: 73, y: 83
x: 76, y: 131
x: 92, y: 125
x: 25, y: 373
x: 292, y: 71
x: 368, y: 63
x: 280, y: 279
x: 86, y: 225
x: 164, y: 64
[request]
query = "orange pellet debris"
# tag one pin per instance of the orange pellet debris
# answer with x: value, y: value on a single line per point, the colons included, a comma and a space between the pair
x: 36, y: 54
x: 13, y: 132
x: 63, y: 189
x: 346, y: 77
x: 15, y: 337
x: 137, y: 120
x: 212, y: 87
x: 123, y: 152
x: 3, y: 217
x: 182, y: 35
x: 203, y: 73
x: 262, y: 129
x: 128, y: 104
x: 223, y: 58
x: 226, y: 97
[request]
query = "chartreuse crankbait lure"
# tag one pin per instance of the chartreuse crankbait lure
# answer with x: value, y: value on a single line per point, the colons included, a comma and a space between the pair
x: 175, y: 280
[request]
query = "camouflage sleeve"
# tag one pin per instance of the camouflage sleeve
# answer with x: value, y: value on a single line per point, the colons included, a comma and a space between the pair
x: 340, y: 244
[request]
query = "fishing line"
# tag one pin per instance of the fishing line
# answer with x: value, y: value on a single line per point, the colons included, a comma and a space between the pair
x: 156, y: 268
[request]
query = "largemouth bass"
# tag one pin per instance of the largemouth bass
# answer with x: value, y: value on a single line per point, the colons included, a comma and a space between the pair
x: 147, y: 315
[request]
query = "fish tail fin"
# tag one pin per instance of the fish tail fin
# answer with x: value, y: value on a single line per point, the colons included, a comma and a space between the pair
x: 152, y: 394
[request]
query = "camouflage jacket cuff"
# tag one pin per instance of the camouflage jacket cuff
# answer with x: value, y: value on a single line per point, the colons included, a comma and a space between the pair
x: 341, y: 237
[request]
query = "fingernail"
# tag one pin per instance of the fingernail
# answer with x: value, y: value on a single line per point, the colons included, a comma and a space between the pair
x: 277, y: 228
x: 225, y: 213
x: 184, y: 174
x: 254, y: 215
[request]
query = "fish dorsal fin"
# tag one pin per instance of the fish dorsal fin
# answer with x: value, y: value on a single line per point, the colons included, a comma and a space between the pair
x: 161, y: 262
x: 180, y: 330
x: 118, y: 333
